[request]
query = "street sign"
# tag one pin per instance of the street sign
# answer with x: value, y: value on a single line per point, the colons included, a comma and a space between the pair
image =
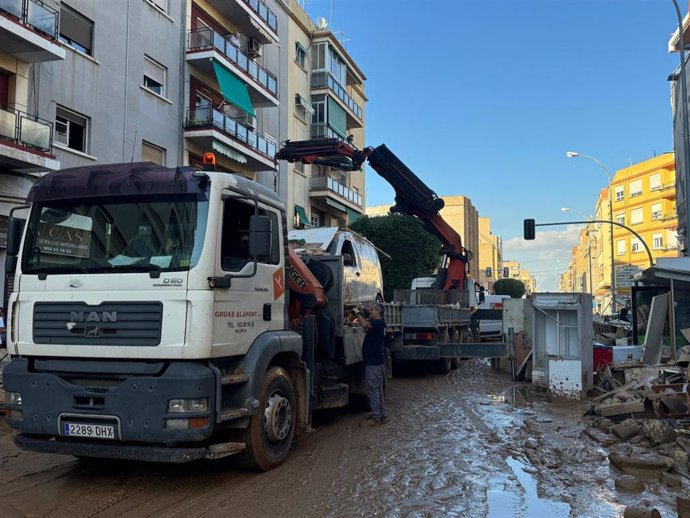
x: 624, y: 276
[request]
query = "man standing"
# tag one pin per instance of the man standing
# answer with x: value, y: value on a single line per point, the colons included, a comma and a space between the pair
x: 373, y: 356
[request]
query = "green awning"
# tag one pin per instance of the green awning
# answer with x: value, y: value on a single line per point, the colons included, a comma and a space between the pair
x: 302, y: 215
x: 233, y: 89
x: 337, y: 118
x: 352, y: 216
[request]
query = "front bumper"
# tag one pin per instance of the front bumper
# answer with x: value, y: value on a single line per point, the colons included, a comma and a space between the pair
x: 137, y: 405
x: 126, y: 451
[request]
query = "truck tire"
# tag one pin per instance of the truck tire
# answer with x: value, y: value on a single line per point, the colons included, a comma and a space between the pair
x: 271, y: 430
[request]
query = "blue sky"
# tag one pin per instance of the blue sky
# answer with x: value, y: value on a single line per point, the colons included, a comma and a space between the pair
x: 483, y: 98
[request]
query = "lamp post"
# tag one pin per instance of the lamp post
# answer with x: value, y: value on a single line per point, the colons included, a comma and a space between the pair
x: 686, y: 137
x: 589, y: 248
x: 574, y: 154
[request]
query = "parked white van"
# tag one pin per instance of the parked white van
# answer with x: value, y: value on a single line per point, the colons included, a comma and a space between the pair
x: 363, y: 278
x: 489, y: 317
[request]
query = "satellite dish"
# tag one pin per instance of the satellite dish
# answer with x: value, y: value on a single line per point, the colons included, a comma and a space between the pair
x: 322, y: 22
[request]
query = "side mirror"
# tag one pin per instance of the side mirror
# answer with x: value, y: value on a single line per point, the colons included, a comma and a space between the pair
x: 260, y: 236
x: 14, y: 235
x: 347, y: 260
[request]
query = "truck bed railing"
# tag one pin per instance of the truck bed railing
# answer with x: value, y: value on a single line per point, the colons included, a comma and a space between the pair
x: 431, y: 296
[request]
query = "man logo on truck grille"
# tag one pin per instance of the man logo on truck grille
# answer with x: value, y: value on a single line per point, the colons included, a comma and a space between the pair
x: 92, y: 331
x: 93, y: 316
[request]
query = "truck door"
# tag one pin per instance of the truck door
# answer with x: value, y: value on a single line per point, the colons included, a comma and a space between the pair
x: 252, y: 304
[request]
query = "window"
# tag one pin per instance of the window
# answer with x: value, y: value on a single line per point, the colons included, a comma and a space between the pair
x: 655, y: 182
x: 161, y: 5
x: 620, y: 218
x: 315, y: 219
x: 235, y: 239
x: 300, y: 55
x: 620, y: 247
x: 76, y: 30
x: 635, y: 245
x: 635, y: 188
x: 71, y: 129
x: 656, y: 211
x: 620, y: 193
x: 636, y: 216
x: 154, y: 76
x: 152, y: 153
x: 657, y: 241
x: 298, y: 166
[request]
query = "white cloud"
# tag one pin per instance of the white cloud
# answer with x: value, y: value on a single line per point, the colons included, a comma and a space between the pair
x: 545, y: 257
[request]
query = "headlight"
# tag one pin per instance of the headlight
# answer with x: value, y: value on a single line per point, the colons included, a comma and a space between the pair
x: 13, y: 398
x: 188, y: 405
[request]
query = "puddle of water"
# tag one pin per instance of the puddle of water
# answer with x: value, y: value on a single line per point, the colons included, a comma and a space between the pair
x: 521, y: 500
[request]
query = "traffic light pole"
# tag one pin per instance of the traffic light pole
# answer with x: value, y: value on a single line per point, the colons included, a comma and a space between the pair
x: 638, y: 236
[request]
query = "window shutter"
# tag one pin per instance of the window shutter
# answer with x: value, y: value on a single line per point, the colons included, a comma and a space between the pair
x: 154, y: 70
x: 76, y: 27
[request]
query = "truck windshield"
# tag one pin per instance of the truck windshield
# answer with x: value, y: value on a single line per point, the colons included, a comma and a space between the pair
x: 107, y: 236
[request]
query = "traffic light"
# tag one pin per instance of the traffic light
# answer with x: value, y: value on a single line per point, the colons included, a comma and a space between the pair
x: 489, y: 271
x: 529, y: 229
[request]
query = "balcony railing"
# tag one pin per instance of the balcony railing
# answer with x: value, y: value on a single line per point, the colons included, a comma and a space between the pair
x: 323, y: 130
x: 204, y: 117
x: 264, y: 13
x: 201, y: 39
x: 26, y: 130
x: 325, y: 79
x: 34, y: 14
x: 321, y: 183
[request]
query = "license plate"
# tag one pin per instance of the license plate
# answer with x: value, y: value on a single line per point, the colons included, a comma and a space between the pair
x: 94, y: 431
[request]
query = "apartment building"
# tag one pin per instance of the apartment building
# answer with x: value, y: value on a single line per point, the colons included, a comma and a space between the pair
x: 644, y: 199
x: 326, y: 100
x: 490, y: 257
x: 28, y: 41
x: 85, y: 82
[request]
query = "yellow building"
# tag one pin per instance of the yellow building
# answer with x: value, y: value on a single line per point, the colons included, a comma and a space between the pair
x: 490, y: 258
x: 643, y: 199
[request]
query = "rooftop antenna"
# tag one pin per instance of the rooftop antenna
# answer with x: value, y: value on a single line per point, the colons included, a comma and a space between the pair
x: 321, y: 23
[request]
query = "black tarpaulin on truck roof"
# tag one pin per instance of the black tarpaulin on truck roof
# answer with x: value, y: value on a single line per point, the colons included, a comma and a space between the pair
x: 139, y: 178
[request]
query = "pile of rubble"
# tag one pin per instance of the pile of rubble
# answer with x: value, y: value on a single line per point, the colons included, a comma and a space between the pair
x: 642, y: 418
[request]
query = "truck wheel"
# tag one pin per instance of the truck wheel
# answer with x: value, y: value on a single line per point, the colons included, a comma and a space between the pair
x: 271, y: 430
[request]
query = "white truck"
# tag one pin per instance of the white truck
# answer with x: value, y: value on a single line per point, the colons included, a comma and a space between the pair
x: 158, y: 315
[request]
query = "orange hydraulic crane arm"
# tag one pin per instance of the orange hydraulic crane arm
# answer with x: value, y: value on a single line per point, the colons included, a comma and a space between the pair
x: 307, y: 293
x: 412, y: 196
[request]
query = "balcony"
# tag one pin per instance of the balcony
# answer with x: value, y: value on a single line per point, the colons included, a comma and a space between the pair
x: 322, y: 80
x: 252, y: 17
x: 29, y: 31
x: 668, y: 190
x: 207, y: 125
x: 325, y: 186
x: 26, y: 141
x: 204, y: 45
x: 323, y: 130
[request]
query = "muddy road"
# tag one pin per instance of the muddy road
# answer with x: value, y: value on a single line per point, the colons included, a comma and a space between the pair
x: 471, y: 443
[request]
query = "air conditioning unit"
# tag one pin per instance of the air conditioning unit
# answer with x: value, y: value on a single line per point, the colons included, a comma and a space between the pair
x: 254, y: 48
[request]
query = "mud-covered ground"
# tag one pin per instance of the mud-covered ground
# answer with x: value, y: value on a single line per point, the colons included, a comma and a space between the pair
x: 471, y: 443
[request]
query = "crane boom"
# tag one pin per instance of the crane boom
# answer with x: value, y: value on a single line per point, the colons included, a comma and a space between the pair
x: 412, y: 196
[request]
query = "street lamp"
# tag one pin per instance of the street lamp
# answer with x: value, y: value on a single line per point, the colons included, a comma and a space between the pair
x: 575, y: 154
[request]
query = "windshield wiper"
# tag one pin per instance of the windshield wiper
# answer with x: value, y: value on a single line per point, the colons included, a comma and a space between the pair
x: 153, y: 269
